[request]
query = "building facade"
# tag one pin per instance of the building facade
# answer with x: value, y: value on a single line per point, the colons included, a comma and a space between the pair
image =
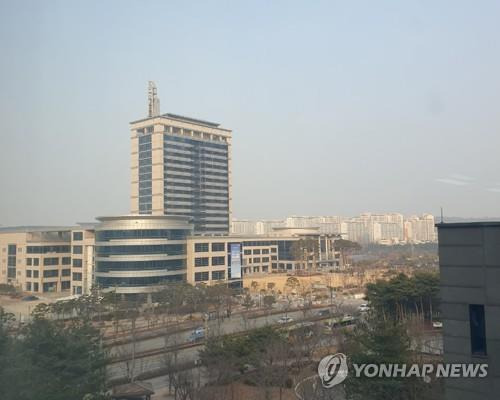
x: 182, y: 166
x: 134, y: 254
x: 210, y: 259
x: 469, y: 258
x: 36, y: 259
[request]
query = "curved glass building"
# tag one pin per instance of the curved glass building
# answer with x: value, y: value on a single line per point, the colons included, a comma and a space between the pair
x: 135, y: 253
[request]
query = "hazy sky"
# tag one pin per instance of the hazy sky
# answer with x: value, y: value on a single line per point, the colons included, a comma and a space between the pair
x: 337, y: 107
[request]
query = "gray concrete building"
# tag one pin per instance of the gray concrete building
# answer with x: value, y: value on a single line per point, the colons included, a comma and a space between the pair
x: 469, y: 258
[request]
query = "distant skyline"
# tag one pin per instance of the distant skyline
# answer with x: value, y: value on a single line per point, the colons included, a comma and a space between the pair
x: 337, y: 108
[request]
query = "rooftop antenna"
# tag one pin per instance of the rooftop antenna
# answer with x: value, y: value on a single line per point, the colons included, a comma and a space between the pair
x: 442, y: 218
x: 153, y: 100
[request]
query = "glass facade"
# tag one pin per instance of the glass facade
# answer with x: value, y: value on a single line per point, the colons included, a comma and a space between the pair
x: 134, y: 253
x: 145, y: 174
x: 196, y: 182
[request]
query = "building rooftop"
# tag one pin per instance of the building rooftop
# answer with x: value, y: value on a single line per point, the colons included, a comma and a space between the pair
x: 182, y: 118
x: 445, y: 225
x: 22, y: 229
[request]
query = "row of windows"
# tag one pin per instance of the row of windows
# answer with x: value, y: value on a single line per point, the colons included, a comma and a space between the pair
x: 258, y: 259
x: 106, y: 282
x: 194, y: 143
x: 11, y: 249
x: 204, y: 178
x: 203, y: 276
x: 203, y: 247
x: 201, y: 165
x: 166, y: 249
x: 169, y: 165
x: 203, y: 261
x: 219, y: 152
x: 169, y: 265
x: 196, y: 158
x: 47, y: 249
x: 171, y: 234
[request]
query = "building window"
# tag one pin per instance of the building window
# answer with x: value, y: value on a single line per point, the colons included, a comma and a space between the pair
x: 28, y: 286
x: 274, y: 265
x: 29, y: 261
x: 218, y: 275
x: 51, y: 261
x: 35, y: 286
x: 200, y: 247
x: 273, y: 250
x: 66, y: 261
x: 77, y: 235
x: 35, y: 274
x: 12, y: 250
x: 66, y: 272
x: 77, y: 276
x: 11, y: 261
x: 265, y: 259
x: 218, y: 260
x: 265, y: 251
x: 477, y: 329
x: 77, y: 249
x: 218, y: 247
x: 77, y: 262
x: 256, y: 259
x: 65, y: 285
x: 28, y: 273
x: 274, y: 258
x: 201, y: 262
x: 36, y: 262
x: 200, y: 276
x: 256, y: 251
x: 77, y: 290
x: 247, y: 252
x: 50, y: 273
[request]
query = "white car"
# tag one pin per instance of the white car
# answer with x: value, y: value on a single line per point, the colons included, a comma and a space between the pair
x: 437, y: 324
x: 285, y: 320
x: 363, y: 307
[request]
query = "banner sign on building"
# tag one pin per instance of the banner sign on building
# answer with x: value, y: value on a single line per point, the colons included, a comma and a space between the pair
x: 235, y: 260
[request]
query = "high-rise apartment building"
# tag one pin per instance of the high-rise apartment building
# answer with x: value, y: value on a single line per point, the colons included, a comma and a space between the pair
x: 182, y: 166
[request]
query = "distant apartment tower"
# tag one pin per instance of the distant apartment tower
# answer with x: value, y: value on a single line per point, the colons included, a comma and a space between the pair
x: 469, y: 259
x: 182, y: 166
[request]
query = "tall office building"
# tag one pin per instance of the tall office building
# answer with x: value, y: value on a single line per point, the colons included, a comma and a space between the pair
x: 181, y: 166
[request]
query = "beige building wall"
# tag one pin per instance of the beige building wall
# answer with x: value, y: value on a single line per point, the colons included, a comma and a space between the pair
x: 36, y: 271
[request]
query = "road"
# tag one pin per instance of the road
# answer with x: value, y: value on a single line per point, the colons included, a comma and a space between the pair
x: 236, y: 323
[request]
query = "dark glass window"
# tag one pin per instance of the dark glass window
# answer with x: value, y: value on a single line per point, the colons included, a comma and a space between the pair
x: 77, y: 249
x: 218, y: 247
x: 66, y: 272
x: 35, y: 274
x: 247, y: 252
x: 77, y: 262
x: 201, y: 262
x: 29, y: 261
x: 65, y: 285
x: 50, y: 261
x: 167, y: 249
x: 200, y: 276
x: 11, y: 261
x: 218, y: 260
x: 48, y: 249
x: 265, y: 251
x: 169, y: 265
x: 256, y: 251
x: 28, y: 273
x: 12, y: 250
x: 66, y: 261
x: 200, y: 247
x: 77, y: 276
x: 218, y: 275
x: 172, y: 234
x: 77, y: 235
x: 36, y: 262
x: 477, y: 329
x: 50, y: 273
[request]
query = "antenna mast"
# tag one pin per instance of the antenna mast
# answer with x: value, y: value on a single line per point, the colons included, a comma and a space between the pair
x: 153, y: 100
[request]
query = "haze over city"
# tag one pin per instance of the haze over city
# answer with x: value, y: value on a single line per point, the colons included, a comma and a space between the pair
x: 336, y: 108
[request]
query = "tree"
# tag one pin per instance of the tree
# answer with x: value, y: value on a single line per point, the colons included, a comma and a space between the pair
x: 52, y: 360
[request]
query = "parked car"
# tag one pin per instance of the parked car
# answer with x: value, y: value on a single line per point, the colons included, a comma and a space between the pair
x: 285, y: 320
x: 364, y: 307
